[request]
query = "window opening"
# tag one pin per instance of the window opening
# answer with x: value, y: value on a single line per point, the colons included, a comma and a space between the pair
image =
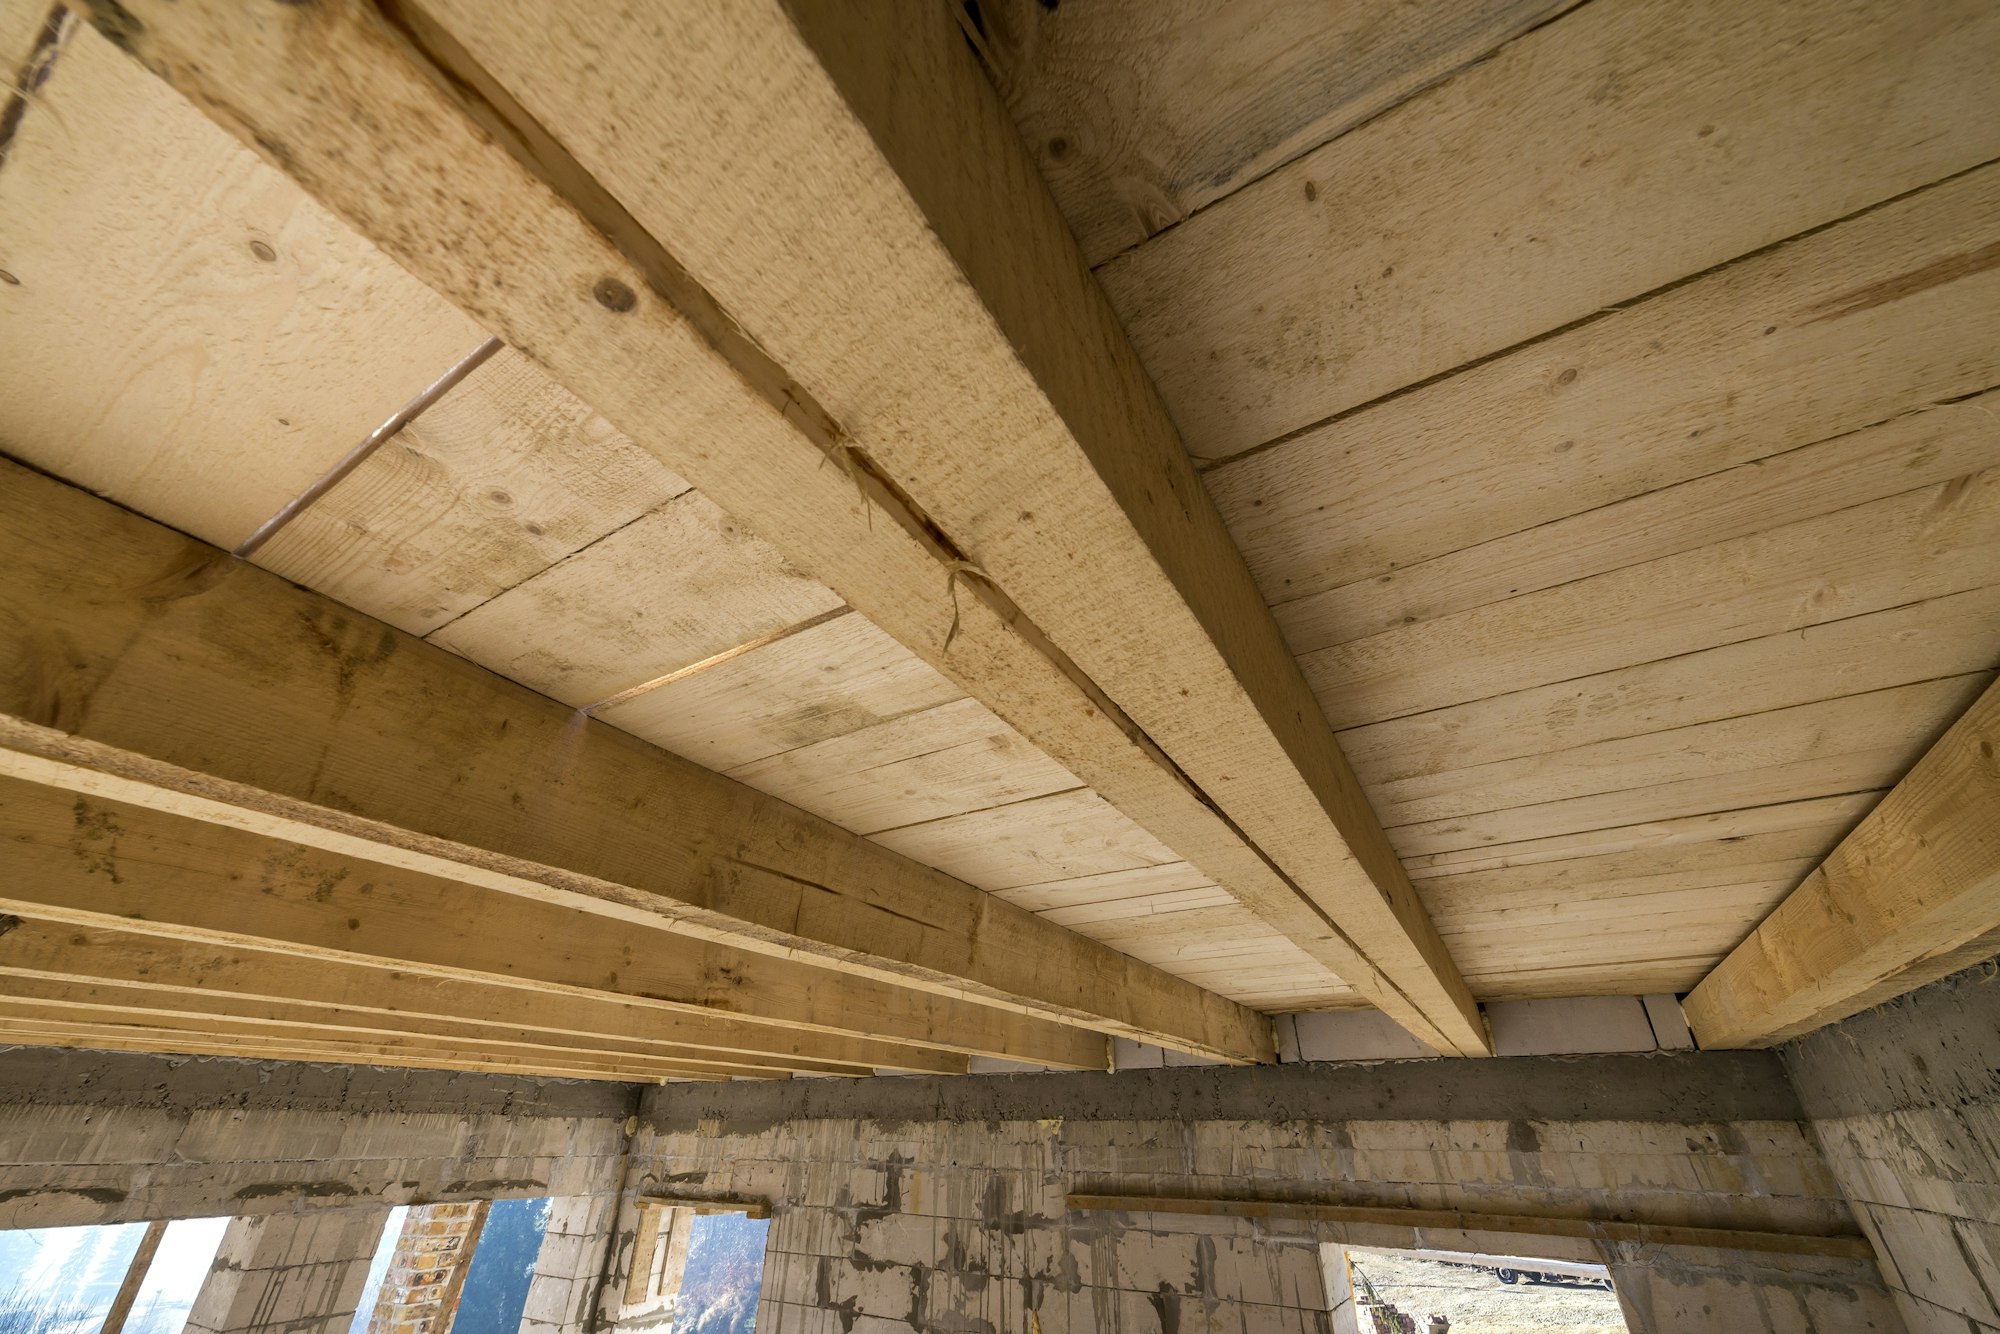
x: 1437, y: 1292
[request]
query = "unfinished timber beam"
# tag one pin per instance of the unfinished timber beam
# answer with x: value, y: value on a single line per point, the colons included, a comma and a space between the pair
x: 89, y: 861
x: 185, y: 973
x: 1890, y: 909
x: 761, y: 237
x: 145, y: 668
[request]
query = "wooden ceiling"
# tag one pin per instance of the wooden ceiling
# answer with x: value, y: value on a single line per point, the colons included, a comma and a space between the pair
x: 1602, y: 398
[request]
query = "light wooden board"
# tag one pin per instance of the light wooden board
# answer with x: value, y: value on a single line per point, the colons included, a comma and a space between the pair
x: 1834, y: 815
x: 130, y: 959
x: 942, y: 324
x: 1901, y: 549
x: 1140, y: 113
x: 1353, y: 525
x: 1456, y: 225
x: 218, y: 691
x: 950, y: 760
x: 1946, y: 636
x: 1916, y: 880
x: 831, y: 680
x: 502, y: 477
x: 1715, y: 752
x: 1057, y: 837
x: 670, y: 589
x: 174, y: 368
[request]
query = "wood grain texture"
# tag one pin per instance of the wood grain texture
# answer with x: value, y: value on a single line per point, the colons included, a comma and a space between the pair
x: 1919, y: 878
x: 144, y: 664
x: 118, y: 958
x: 98, y: 863
x: 1456, y: 225
x: 881, y: 237
x: 1448, y: 496
x: 868, y: 338
x: 1056, y: 837
x: 1138, y: 114
x: 504, y: 476
x: 174, y: 368
x: 669, y: 589
x: 1901, y: 549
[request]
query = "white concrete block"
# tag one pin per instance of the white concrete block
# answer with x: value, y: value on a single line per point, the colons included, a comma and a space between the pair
x: 1570, y: 1027
x: 1353, y: 1035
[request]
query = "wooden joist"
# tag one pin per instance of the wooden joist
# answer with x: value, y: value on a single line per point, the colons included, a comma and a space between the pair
x: 1887, y: 911
x: 94, y: 862
x: 851, y: 264
x: 149, y: 669
x: 182, y: 973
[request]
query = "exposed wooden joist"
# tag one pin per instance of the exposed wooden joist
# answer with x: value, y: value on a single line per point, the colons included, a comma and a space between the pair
x: 96, y: 862
x: 64, y: 1003
x: 208, y: 972
x: 66, y: 1032
x: 912, y: 307
x: 154, y: 670
x: 1886, y: 912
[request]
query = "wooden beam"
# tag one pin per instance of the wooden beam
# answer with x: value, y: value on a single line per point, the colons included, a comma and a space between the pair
x: 1890, y: 909
x: 31, y: 1003
x: 94, y: 862
x: 139, y: 998
x: 53, y: 1032
x: 912, y: 307
x: 1452, y: 1220
x: 194, y: 972
x: 154, y: 670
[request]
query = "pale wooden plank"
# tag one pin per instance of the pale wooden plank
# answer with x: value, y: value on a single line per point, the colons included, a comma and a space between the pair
x: 504, y: 476
x: 1934, y: 446
x: 1918, y: 878
x: 1832, y: 770
x: 1901, y: 549
x: 220, y: 692
x: 982, y: 325
x: 825, y: 682
x: 1840, y: 329
x: 123, y: 958
x: 1137, y: 885
x: 109, y: 864
x: 949, y: 760
x: 673, y: 588
x: 175, y: 368
x: 1139, y: 113
x: 1833, y: 816
x: 1456, y: 225
x: 1055, y: 837
x: 1713, y: 751
x: 1946, y: 636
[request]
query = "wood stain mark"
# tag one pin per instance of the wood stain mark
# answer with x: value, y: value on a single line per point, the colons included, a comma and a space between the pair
x: 33, y: 74
x: 1935, y: 274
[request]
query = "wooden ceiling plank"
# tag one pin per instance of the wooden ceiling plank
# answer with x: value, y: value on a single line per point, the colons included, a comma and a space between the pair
x: 101, y: 863
x: 1916, y: 641
x: 1714, y: 751
x: 1139, y: 113
x: 222, y: 692
x: 1917, y: 879
x: 893, y: 257
x: 1456, y: 226
x: 502, y: 477
x: 670, y: 589
x: 1924, y: 543
x: 53, y: 950
x: 165, y: 350
x: 1346, y: 522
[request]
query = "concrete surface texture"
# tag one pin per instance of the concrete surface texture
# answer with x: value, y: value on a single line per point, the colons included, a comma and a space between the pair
x: 1905, y: 1099
x: 932, y: 1205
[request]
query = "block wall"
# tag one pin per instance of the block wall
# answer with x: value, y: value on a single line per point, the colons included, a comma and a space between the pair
x: 1905, y: 1099
x: 299, y: 1273
x: 939, y: 1205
